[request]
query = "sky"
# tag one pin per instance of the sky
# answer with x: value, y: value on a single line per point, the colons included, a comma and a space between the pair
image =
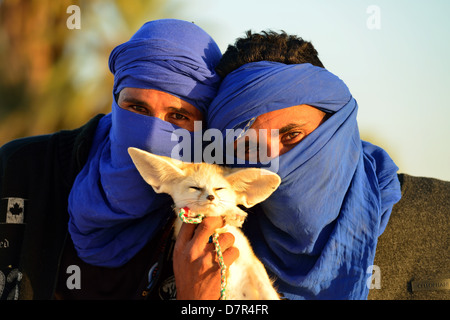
x: 392, y: 54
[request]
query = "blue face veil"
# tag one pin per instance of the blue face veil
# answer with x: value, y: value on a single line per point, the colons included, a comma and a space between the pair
x: 317, y: 233
x: 113, y: 212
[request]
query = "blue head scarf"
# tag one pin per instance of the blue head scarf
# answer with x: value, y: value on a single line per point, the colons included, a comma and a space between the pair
x: 317, y: 233
x: 113, y: 212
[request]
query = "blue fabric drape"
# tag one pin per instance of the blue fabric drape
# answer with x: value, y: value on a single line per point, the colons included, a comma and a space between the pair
x: 113, y: 212
x: 317, y: 233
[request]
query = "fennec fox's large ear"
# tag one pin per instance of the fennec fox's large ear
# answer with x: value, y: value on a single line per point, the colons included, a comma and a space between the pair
x: 253, y: 185
x: 157, y: 171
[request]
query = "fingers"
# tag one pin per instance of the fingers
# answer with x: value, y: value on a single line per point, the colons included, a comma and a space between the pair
x: 229, y: 253
x: 186, y: 233
x: 226, y: 240
x: 198, y: 234
x: 195, y: 239
x: 195, y: 263
x: 205, y: 229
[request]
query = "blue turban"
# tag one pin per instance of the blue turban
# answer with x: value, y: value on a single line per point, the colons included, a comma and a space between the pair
x: 113, y: 212
x: 169, y: 55
x: 317, y: 233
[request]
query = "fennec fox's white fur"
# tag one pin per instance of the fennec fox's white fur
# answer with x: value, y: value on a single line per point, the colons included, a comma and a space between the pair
x: 213, y: 190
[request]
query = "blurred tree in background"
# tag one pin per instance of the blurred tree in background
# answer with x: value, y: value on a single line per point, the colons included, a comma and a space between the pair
x: 53, y: 77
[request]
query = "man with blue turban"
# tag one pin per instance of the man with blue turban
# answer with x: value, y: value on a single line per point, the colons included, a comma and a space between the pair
x: 318, y: 233
x: 91, y: 227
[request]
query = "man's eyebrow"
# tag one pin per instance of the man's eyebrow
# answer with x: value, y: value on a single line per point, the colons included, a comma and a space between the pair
x: 181, y: 110
x: 143, y: 103
x: 290, y: 126
x: 130, y: 99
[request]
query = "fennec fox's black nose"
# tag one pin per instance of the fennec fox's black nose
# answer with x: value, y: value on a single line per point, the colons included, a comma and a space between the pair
x: 210, y: 197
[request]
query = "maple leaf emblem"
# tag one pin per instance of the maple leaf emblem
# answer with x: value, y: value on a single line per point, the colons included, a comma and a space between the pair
x: 16, y: 209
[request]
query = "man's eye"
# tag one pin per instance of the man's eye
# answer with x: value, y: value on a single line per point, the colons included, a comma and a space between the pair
x: 179, y: 116
x: 138, y: 109
x: 292, y: 137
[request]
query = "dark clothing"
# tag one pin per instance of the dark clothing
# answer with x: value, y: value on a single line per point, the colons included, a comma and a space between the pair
x: 41, y: 170
x: 130, y: 281
x: 37, y: 174
x: 416, y: 245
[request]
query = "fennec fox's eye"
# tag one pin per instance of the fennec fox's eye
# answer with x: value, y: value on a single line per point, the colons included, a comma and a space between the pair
x: 195, y: 188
